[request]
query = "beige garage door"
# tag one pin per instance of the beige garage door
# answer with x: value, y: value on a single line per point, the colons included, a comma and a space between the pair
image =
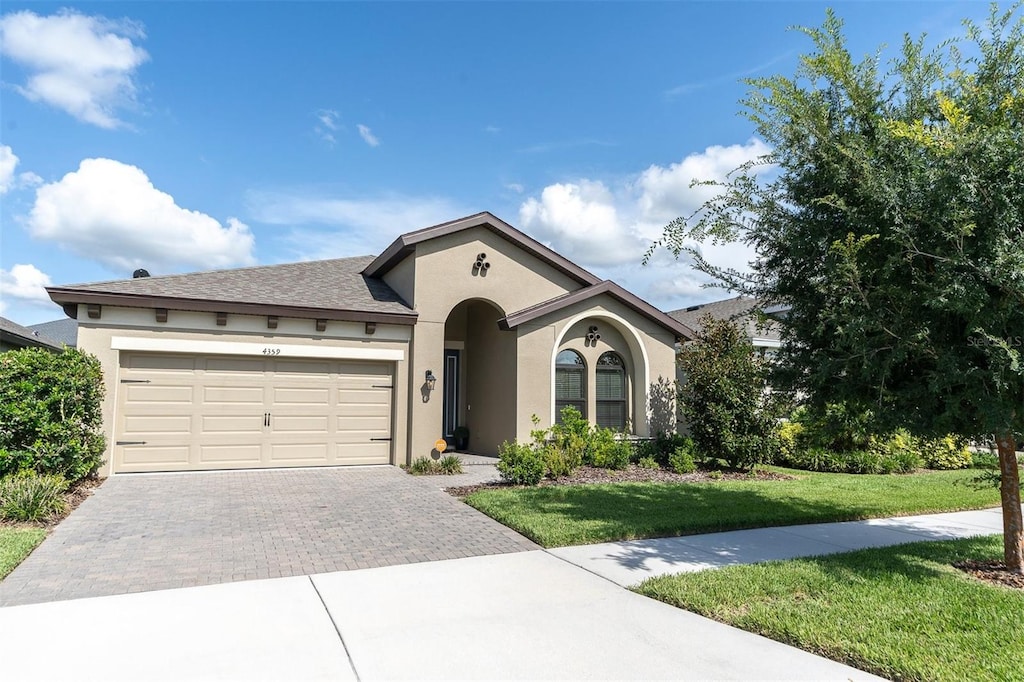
x: 187, y: 412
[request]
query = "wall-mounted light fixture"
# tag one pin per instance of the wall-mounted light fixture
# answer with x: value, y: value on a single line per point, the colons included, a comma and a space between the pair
x: 431, y: 380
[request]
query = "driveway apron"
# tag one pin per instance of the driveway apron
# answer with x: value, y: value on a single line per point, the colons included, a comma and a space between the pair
x: 161, y: 531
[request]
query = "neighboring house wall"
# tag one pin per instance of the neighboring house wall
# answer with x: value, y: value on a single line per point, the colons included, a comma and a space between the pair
x: 96, y: 336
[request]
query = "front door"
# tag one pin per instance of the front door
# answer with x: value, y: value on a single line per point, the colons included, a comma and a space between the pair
x: 451, y: 394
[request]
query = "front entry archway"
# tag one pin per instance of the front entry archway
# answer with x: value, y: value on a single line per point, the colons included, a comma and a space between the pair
x: 480, y: 359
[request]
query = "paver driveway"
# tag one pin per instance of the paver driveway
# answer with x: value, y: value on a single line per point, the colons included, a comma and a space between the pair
x: 149, y: 532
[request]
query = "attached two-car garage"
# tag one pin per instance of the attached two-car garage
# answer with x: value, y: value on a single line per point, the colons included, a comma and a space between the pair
x: 184, y: 412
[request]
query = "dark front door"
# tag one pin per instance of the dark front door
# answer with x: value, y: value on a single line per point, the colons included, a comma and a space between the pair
x: 451, y: 393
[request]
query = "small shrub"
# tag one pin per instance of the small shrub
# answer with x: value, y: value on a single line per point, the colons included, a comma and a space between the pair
x: 984, y: 460
x: 648, y: 463
x: 681, y: 461
x: 608, y: 451
x: 789, y: 438
x: 450, y: 465
x: 28, y: 496
x: 560, y: 460
x: 424, y: 466
x: 947, y: 452
x: 520, y: 464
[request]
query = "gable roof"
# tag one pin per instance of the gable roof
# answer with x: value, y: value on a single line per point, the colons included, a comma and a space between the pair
x: 17, y: 335
x: 64, y: 330
x: 739, y: 309
x: 406, y: 244
x: 328, y: 289
x: 513, y: 320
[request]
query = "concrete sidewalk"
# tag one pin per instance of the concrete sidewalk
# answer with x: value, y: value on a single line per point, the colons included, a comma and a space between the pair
x: 630, y: 563
x: 519, y: 616
x: 528, y: 615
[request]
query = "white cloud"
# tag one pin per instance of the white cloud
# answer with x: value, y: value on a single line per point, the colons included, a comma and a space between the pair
x: 81, y: 64
x: 329, y: 121
x: 610, y: 226
x: 515, y: 187
x: 111, y: 213
x: 8, y: 162
x: 8, y: 180
x: 492, y: 129
x: 355, y: 226
x: 24, y: 283
x: 367, y: 135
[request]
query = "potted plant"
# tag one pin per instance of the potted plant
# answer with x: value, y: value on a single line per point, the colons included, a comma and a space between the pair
x: 461, y: 434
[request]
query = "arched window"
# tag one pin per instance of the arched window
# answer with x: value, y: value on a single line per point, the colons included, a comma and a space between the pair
x: 611, y: 392
x: 570, y: 387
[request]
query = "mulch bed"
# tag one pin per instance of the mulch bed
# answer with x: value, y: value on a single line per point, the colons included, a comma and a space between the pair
x: 992, y: 571
x: 632, y: 474
x: 73, y: 496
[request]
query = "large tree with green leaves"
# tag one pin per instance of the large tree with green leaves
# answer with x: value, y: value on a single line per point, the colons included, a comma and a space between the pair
x: 889, y: 219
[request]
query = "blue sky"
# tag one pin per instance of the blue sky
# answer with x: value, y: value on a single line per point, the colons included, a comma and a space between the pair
x: 190, y: 136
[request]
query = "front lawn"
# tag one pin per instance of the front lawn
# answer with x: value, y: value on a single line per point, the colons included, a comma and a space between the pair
x: 15, y: 545
x: 900, y: 612
x: 556, y: 516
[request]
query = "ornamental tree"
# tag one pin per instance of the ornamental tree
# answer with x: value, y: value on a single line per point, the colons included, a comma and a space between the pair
x: 889, y: 221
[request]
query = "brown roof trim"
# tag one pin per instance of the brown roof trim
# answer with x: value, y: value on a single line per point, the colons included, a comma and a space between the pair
x: 513, y: 320
x: 404, y: 245
x: 66, y: 297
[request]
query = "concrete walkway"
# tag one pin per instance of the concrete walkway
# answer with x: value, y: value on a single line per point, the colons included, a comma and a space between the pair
x: 555, y: 614
x: 515, y: 616
x: 630, y: 563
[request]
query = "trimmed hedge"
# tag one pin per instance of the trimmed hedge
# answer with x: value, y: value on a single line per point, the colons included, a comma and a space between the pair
x: 50, y: 413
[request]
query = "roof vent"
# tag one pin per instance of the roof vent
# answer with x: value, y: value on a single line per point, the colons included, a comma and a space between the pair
x: 694, y: 307
x: 140, y: 273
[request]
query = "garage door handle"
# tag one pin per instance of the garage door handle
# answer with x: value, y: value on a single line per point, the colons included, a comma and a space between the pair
x: 131, y: 442
x: 266, y: 419
x: 380, y: 439
x: 135, y: 381
x: 380, y: 386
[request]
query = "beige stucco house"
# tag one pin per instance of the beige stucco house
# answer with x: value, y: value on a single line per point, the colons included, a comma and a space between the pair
x: 369, y: 360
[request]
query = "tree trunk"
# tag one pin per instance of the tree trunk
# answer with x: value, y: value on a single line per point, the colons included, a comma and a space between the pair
x: 1009, y: 489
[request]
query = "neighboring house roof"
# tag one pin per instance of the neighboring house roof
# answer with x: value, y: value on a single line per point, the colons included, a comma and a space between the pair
x: 739, y: 309
x: 329, y: 289
x: 515, y: 319
x: 63, y: 331
x: 16, y: 335
x: 406, y: 243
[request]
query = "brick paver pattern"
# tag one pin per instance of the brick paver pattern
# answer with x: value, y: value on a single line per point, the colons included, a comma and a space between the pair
x: 150, y: 532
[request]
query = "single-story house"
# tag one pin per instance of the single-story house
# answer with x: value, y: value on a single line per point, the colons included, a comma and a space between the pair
x: 63, y: 331
x: 14, y: 336
x: 763, y: 334
x: 369, y: 360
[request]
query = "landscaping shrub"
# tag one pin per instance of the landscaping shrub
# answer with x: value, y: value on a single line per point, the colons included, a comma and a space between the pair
x: 789, y: 437
x: 28, y: 496
x: 947, y: 452
x: 984, y: 460
x: 424, y: 465
x: 607, y: 450
x: 50, y: 413
x: 723, y: 398
x: 450, y: 464
x: 520, y: 464
x: 648, y: 463
x: 836, y: 426
x: 681, y: 461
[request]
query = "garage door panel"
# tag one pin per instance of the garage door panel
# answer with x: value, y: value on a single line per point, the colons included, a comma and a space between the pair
x: 362, y: 453
x: 159, y: 395
x: 312, y: 453
x: 210, y: 412
x: 230, y: 454
x: 300, y: 396
x: 161, y: 364
x: 150, y: 456
x: 236, y: 424
x: 233, y: 395
x: 245, y: 368
x: 301, y: 424
x: 138, y: 425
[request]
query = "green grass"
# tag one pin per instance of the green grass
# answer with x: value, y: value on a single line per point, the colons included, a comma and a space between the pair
x: 557, y: 516
x: 900, y: 612
x: 15, y: 545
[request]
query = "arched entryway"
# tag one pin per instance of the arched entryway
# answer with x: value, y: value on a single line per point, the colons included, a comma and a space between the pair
x: 479, y: 377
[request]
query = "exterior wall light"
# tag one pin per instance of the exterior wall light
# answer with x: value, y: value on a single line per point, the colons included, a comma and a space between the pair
x: 431, y: 380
